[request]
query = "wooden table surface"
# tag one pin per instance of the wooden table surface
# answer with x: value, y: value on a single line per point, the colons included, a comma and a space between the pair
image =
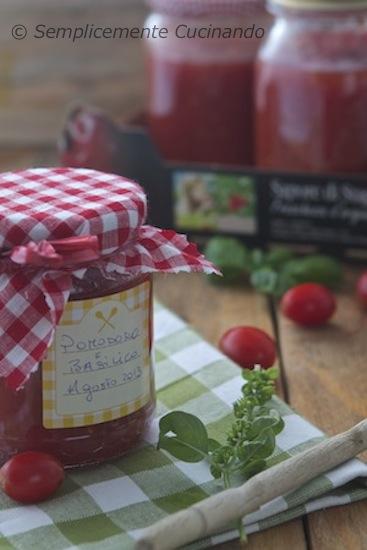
x: 324, y: 373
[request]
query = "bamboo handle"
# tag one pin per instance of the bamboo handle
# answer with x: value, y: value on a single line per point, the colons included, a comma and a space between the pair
x: 214, y: 513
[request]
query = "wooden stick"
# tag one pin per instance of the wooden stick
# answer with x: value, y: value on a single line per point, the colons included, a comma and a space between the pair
x: 214, y: 513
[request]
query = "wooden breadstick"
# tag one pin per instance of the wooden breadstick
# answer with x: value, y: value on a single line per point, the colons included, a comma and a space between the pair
x: 214, y: 513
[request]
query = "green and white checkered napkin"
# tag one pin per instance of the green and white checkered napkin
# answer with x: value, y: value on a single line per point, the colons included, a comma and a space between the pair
x: 114, y: 502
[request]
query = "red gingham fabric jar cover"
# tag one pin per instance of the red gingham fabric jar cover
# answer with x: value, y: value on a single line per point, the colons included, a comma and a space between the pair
x: 198, y: 8
x: 54, y: 224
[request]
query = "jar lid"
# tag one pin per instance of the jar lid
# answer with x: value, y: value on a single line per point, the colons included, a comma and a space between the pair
x: 46, y: 204
x: 197, y: 8
x: 55, y: 223
x: 322, y: 5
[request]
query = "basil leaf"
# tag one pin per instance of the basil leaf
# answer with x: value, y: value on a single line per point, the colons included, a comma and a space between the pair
x: 257, y: 259
x: 261, y: 447
x: 272, y: 422
x: 249, y: 450
x: 216, y: 471
x: 213, y: 445
x: 278, y: 257
x: 279, y: 426
x: 184, y: 436
x: 265, y: 280
x: 253, y: 468
x: 230, y: 256
x: 314, y: 269
x: 267, y: 439
x: 247, y: 374
x: 273, y: 373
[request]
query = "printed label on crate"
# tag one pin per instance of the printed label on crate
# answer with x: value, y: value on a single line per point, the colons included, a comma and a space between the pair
x: 314, y: 210
x: 98, y: 368
x: 261, y: 208
x: 216, y: 202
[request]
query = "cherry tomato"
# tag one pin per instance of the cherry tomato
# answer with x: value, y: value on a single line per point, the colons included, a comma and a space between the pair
x: 248, y: 347
x: 362, y: 288
x: 309, y: 304
x: 31, y: 477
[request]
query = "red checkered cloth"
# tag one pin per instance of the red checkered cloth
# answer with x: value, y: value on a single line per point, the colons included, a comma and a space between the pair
x: 54, y: 224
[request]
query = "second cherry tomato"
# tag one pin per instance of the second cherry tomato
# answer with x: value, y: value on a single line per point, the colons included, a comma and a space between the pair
x: 248, y: 347
x: 309, y: 304
x: 362, y: 288
x: 31, y: 477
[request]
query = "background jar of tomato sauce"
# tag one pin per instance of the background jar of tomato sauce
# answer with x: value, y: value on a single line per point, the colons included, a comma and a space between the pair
x: 21, y: 418
x: 311, y: 88
x: 201, y: 88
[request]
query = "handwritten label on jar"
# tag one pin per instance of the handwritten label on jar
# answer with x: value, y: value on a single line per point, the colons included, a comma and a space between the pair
x: 98, y: 368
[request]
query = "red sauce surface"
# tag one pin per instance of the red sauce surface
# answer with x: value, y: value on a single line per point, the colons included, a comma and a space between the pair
x: 312, y: 116
x: 202, y: 112
x: 21, y: 427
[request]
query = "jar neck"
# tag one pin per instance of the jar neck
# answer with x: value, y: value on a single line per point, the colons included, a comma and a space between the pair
x: 313, y: 15
x: 209, y: 9
x: 317, y: 39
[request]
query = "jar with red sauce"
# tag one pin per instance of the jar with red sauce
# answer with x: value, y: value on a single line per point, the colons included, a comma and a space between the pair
x: 200, y: 76
x: 311, y: 88
x: 76, y: 312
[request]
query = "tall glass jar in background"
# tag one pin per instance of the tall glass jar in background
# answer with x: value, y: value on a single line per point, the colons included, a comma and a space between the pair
x: 311, y: 90
x: 201, y: 86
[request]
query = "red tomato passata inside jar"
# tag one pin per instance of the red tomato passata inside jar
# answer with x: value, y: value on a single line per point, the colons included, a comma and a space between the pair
x: 200, y: 79
x: 309, y: 304
x: 21, y: 411
x: 248, y: 347
x: 362, y: 289
x: 208, y: 114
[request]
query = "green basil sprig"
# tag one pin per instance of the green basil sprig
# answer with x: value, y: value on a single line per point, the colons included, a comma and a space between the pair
x: 273, y: 272
x: 249, y: 442
x: 230, y: 256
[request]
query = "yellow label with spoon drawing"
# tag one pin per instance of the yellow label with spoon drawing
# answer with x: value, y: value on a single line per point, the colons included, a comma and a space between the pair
x: 98, y: 368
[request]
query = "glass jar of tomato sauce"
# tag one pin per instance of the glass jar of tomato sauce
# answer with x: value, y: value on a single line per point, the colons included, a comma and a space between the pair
x: 311, y: 88
x: 76, y: 369
x: 22, y: 419
x: 200, y: 75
